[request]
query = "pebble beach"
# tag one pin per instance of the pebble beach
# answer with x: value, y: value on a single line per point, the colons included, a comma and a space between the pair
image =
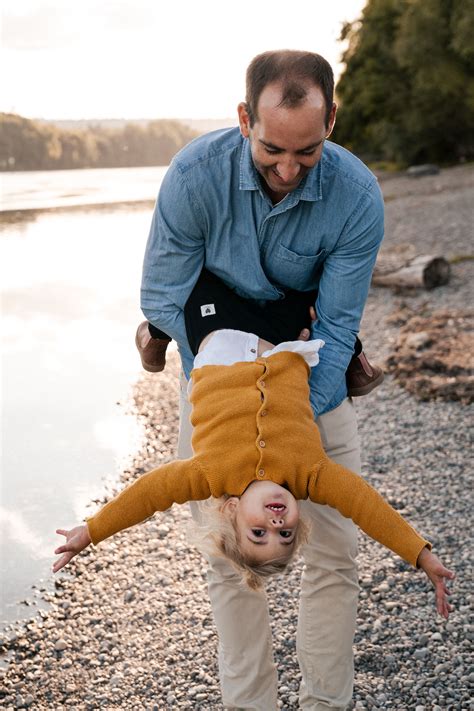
x: 129, y: 626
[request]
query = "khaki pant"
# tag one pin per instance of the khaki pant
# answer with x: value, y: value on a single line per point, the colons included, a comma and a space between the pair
x: 328, y: 600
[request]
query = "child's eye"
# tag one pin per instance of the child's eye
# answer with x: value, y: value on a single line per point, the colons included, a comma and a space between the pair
x: 286, y: 534
x: 258, y: 532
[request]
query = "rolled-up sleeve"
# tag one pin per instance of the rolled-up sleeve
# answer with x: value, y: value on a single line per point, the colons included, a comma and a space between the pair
x: 342, y: 294
x: 174, y: 257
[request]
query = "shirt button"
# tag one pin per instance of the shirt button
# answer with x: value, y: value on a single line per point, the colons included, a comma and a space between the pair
x: 263, y: 413
x: 262, y: 443
x: 261, y: 472
x: 252, y: 350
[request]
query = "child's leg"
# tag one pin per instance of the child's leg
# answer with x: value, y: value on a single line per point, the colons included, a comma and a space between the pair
x: 156, y: 333
x: 361, y: 376
x: 213, y: 306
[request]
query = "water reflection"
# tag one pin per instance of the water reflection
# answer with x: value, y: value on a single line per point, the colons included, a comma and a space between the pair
x: 70, y: 306
x: 27, y: 190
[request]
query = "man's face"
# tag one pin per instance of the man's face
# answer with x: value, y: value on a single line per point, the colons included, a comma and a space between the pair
x: 286, y: 142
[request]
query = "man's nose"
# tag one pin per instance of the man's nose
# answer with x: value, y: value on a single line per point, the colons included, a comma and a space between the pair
x: 288, y: 170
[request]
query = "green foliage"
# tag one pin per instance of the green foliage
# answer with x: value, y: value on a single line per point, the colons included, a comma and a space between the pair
x: 407, y: 92
x: 30, y: 145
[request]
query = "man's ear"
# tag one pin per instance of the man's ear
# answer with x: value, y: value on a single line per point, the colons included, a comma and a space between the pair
x: 332, y: 120
x: 244, y: 119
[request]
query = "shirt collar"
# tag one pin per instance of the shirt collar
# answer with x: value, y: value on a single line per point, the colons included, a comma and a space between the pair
x: 310, y: 189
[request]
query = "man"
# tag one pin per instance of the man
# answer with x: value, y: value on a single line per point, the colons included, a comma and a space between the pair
x: 268, y: 207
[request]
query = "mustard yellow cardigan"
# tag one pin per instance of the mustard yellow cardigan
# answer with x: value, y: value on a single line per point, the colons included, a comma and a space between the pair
x: 253, y: 421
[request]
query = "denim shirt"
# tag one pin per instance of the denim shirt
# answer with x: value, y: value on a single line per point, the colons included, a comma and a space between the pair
x: 212, y: 211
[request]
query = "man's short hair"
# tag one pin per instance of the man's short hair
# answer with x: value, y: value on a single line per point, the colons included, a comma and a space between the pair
x: 296, y: 71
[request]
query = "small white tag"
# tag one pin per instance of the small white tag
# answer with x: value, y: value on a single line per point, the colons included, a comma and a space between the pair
x: 208, y: 310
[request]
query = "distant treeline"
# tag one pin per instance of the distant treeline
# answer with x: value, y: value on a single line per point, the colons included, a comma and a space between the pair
x: 33, y: 145
x: 407, y: 92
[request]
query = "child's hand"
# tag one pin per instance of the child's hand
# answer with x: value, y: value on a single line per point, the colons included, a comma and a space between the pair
x: 76, y: 540
x: 437, y: 573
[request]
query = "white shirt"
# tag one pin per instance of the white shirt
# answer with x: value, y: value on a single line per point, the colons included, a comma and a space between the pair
x: 227, y: 346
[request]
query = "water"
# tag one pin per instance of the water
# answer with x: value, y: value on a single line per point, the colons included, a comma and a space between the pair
x: 70, y: 309
x: 66, y: 188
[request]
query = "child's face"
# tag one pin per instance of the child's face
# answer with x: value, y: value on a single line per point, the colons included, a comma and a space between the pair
x: 266, y: 517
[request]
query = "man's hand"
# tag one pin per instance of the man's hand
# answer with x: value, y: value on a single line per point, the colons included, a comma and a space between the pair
x: 438, y: 575
x: 76, y: 540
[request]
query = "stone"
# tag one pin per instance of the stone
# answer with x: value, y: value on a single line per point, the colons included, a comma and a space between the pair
x: 420, y: 171
x: 162, y: 530
x: 129, y: 596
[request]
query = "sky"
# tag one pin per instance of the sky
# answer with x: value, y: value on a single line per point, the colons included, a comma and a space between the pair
x: 75, y: 59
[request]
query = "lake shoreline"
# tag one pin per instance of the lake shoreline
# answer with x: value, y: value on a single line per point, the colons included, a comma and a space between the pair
x: 14, y: 215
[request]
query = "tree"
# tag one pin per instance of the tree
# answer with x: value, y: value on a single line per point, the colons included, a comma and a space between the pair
x: 407, y: 92
x: 30, y: 145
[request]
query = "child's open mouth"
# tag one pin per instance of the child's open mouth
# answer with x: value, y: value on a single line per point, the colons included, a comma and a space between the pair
x: 278, y: 508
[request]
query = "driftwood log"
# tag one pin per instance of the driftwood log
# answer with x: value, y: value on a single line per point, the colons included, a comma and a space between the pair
x: 414, y: 272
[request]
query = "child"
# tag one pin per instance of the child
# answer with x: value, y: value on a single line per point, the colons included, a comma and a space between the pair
x: 257, y: 450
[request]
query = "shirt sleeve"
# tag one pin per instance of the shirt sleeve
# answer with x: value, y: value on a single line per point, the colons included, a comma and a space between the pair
x: 176, y: 482
x: 342, y: 293
x: 336, y: 486
x: 174, y: 257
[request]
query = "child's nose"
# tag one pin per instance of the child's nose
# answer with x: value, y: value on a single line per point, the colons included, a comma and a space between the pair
x: 277, y: 522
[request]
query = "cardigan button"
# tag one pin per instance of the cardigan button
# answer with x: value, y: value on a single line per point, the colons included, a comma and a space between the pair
x: 264, y: 412
x: 261, y: 473
x: 262, y: 383
x: 262, y: 443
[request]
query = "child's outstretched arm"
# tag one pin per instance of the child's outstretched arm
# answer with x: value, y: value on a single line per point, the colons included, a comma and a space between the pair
x: 438, y: 575
x: 76, y: 540
x: 177, y: 482
x: 336, y: 486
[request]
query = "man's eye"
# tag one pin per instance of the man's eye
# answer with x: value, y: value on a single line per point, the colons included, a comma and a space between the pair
x: 286, y: 534
x: 308, y: 153
x: 258, y: 532
x: 272, y: 151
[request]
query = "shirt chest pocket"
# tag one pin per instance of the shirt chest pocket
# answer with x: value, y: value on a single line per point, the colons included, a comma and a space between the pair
x: 302, y: 271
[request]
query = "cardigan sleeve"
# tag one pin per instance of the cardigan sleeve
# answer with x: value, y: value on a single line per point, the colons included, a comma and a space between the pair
x: 177, y: 482
x: 336, y: 486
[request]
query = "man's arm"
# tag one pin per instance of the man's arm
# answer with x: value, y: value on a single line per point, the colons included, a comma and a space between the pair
x: 342, y: 294
x: 174, y: 257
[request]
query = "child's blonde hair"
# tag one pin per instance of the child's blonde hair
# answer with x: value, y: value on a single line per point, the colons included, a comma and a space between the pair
x: 216, y: 534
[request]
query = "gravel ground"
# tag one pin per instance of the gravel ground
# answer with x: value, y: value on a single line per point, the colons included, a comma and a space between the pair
x: 130, y: 625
